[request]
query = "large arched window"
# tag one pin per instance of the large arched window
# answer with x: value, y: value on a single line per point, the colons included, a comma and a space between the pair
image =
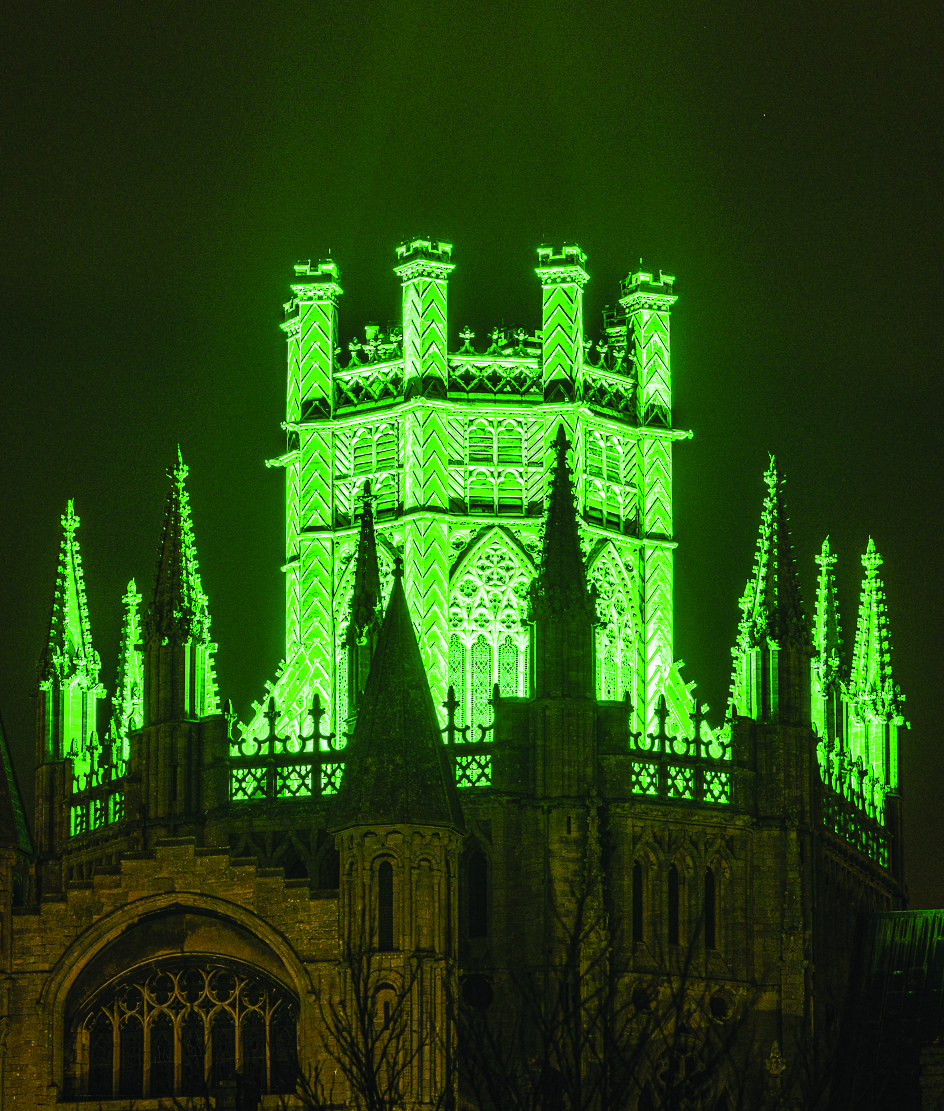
x: 488, y: 642
x: 175, y: 1029
x: 615, y: 633
x: 385, y: 906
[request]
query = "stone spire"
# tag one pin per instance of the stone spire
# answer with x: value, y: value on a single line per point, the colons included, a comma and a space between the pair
x: 178, y: 611
x: 67, y: 654
x: 68, y: 668
x: 773, y: 622
x: 562, y: 607
x: 181, y: 683
x: 363, y: 630
x: 561, y: 584
x: 772, y: 607
x: 871, y: 686
x: 128, y: 700
x: 14, y: 831
x: 827, y: 632
x: 397, y: 771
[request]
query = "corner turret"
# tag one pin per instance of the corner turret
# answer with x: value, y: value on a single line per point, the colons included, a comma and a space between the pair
x: 423, y: 269
x: 563, y: 277
x: 399, y: 833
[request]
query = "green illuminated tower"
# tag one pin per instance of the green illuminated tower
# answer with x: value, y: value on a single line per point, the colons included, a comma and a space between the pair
x: 67, y: 698
x: 458, y: 447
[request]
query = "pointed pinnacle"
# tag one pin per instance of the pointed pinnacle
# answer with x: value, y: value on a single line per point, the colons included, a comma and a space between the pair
x: 178, y: 609
x: 396, y: 768
x: 561, y: 583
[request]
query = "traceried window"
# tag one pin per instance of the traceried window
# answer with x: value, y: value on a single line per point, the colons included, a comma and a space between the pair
x: 172, y: 1029
x: 615, y: 632
x: 488, y: 642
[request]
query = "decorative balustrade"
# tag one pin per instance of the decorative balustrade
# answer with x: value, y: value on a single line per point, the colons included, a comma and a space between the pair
x: 498, y: 378
x: 471, y: 757
x: 368, y: 385
x: 305, y: 765
x: 853, y: 802
x: 97, y: 798
x: 613, y: 392
x: 690, y: 769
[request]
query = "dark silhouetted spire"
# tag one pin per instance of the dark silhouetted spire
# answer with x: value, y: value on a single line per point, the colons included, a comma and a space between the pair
x: 14, y: 832
x: 178, y: 611
x: 562, y: 607
x: 363, y: 630
x: 396, y: 769
x: 561, y: 584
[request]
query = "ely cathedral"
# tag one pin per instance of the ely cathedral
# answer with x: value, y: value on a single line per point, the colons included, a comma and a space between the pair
x: 478, y: 845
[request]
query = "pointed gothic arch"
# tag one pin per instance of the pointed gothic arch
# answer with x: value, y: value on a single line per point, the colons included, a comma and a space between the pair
x: 618, y: 632
x: 488, y: 641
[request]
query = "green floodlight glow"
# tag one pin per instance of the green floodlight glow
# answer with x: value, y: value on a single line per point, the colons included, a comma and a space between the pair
x: 458, y: 448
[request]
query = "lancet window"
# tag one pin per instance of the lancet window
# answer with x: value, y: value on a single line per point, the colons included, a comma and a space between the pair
x: 488, y: 642
x: 172, y: 1029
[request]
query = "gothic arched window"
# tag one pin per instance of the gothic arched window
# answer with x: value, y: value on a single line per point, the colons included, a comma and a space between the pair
x: 171, y: 1029
x: 615, y: 633
x: 488, y: 642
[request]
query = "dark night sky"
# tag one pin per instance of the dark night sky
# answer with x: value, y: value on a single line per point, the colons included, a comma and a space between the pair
x: 163, y: 165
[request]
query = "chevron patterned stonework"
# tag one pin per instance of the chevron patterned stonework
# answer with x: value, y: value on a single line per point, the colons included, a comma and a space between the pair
x: 479, y: 766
